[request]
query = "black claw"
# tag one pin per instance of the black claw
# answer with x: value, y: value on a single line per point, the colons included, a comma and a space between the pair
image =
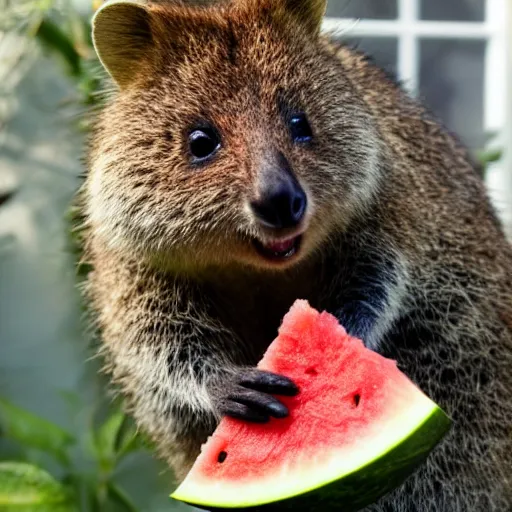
x: 247, y: 395
x: 268, y: 382
x: 262, y: 402
x: 243, y: 412
x: 278, y: 410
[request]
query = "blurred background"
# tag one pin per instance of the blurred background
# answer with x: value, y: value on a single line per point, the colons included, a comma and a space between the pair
x: 64, y: 444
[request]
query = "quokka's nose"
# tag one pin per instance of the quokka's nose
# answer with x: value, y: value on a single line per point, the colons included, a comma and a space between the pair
x: 282, y: 204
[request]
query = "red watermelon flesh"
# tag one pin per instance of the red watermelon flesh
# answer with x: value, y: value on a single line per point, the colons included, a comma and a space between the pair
x: 353, y: 409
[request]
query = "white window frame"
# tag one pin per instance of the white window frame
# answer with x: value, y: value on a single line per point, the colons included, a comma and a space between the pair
x: 408, y: 29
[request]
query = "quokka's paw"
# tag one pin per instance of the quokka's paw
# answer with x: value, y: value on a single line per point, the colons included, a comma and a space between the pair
x: 247, y: 395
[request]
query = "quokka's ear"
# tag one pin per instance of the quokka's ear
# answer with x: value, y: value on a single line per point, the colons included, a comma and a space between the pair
x: 122, y: 38
x: 308, y: 12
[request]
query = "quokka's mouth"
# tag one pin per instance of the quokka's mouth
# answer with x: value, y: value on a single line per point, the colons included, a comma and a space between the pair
x: 279, y: 250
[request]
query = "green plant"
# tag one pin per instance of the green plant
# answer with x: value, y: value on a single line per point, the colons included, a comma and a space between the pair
x: 487, y: 157
x: 49, y: 473
x: 27, y: 487
x: 44, y: 467
x: 490, y: 154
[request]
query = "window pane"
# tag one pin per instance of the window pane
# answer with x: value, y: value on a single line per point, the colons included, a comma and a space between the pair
x: 375, y: 9
x: 383, y: 50
x: 452, y: 86
x: 453, y: 10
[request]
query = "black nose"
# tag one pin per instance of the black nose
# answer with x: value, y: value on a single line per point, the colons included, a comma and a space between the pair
x: 282, y: 204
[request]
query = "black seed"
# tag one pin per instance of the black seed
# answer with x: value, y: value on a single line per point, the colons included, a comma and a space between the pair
x: 357, y: 399
x: 222, y: 456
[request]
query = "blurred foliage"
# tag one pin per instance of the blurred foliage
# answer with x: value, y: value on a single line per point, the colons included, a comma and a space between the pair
x: 46, y: 468
x: 488, y: 157
x: 57, y: 28
x: 28, y: 485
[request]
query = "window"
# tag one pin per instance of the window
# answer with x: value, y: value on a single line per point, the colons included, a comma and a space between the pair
x: 452, y: 54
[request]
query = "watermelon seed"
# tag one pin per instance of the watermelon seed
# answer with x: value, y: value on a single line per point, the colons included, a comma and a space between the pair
x: 222, y: 456
x: 357, y: 399
x: 311, y: 371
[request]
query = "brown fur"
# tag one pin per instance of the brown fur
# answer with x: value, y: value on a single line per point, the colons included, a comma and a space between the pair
x: 401, y: 242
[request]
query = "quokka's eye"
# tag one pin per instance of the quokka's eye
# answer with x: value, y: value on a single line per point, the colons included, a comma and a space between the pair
x: 203, y: 143
x: 300, y: 128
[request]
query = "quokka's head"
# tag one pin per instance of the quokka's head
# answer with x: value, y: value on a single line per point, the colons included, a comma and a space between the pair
x: 234, y: 134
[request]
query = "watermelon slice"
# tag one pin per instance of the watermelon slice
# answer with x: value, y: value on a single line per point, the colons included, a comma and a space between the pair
x: 356, y: 430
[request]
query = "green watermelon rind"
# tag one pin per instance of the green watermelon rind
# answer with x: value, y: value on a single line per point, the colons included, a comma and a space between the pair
x: 347, y: 492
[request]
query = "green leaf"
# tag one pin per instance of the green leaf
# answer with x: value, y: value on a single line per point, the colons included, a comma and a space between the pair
x: 31, y: 430
x: 27, y: 488
x: 127, y: 440
x: 85, y: 488
x: 105, y: 440
x: 118, y: 497
x: 56, y: 40
x: 115, y: 438
x: 490, y: 156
